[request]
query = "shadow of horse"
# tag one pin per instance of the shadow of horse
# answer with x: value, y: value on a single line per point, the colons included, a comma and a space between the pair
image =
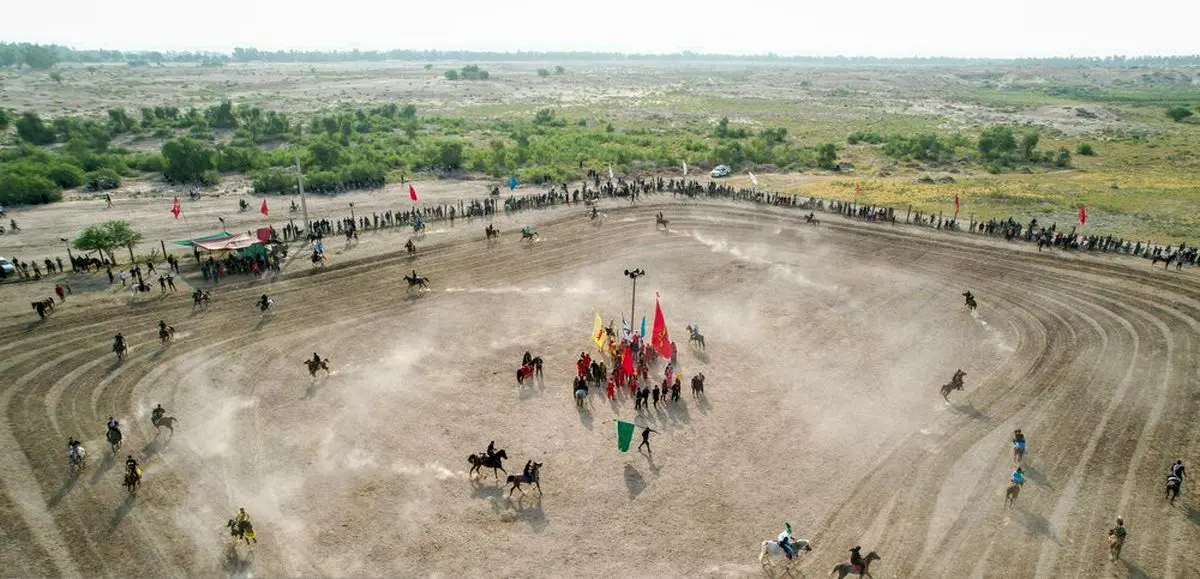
x: 1037, y: 524
x: 122, y: 511
x: 968, y: 410
x: 1036, y: 476
x: 678, y: 412
x: 235, y: 564
x: 314, y: 387
x: 64, y: 490
x: 110, y: 459
x: 585, y: 416
x: 486, y: 492
x: 534, y: 515
x: 262, y: 322
x: 151, y: 448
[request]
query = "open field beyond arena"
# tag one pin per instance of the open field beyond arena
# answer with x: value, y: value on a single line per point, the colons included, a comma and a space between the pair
x: 826, y: 348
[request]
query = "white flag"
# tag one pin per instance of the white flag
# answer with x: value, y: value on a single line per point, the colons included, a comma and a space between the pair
x: 753, y: 179
x: 610, y: 175
x: 685, y: 168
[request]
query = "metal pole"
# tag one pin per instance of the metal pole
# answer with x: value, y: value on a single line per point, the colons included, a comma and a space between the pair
x: 164, y: 248
x: 300, y: 186
x: 634, y: 275
x: 70, y: 257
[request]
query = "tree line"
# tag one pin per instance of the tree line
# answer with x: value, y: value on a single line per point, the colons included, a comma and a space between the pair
x: 44, y: 56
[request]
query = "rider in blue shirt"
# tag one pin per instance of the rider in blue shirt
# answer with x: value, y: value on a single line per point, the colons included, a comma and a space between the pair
x: 1018, y: 477
x: 785, y: 540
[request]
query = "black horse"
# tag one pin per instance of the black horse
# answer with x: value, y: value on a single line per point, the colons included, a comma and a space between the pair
x: 1172, y: 488
x: 698, y: 385
x: 416, y: 281
x: 534, y: 478
x: 494, y: 462
x: 971, y: 305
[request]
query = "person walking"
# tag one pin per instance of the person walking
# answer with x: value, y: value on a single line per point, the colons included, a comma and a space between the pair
x: 646, y: 439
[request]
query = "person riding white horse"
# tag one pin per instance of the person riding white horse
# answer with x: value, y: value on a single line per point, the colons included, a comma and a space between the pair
x: 785, y: 540
x: 119, y: 343
x: 264, y: 302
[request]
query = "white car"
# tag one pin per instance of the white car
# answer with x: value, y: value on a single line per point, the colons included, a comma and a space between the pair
x: 6, y: 268
x: 721, y: 171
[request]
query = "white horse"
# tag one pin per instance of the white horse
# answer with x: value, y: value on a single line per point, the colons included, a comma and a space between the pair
x: 76, y: 460
x: 772, y: 547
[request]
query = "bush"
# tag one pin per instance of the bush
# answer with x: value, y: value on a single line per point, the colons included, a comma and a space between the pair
x: 451, y: 75
x: 1063, y: 158
x: 25, y: 189
x: 1177, y: 114
x: 1085, y: 149
x: 189, y: 160
x: 543, y: 72
x: 827, y: 156
x: 65, y: 175
x: 997, y: 143
x: 32, y: 130
x: 861, y: 137
x: 5, y: 118
x: 148, y: 162
x: 102, y: 180
x: 558, y: 69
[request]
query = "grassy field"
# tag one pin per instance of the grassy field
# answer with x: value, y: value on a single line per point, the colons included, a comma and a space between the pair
x: 646, y: 117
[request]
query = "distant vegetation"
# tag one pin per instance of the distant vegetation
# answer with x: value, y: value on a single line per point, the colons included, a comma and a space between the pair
x: 45, y: 56
x: 998, y: 147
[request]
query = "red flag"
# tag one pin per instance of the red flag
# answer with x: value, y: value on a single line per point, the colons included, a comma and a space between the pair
x: 175, y: 209
x: 627, y: 362
x: 263, y: 210
x: 659, y: 338
x: 412, y: 192
x: 956, y: 205
x: 1082, y: 215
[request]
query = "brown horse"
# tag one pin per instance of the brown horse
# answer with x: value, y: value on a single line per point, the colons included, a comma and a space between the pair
x: 527, y: 371
x: 313, y: 366
x: 846, y: 568
x: 133, y: 479
x: 166, y: 334
x: 534, y: 479
x: 1010, y: 495
x: 491, y: 232
x: 495, y: 462
x: 660, y: 220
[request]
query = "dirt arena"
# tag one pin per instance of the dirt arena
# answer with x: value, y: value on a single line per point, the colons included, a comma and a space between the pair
x: 826, y: 348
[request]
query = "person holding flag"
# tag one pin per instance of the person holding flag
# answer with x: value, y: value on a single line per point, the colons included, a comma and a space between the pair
x: 175, y: 208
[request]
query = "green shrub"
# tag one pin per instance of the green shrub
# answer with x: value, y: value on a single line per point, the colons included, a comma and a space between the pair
x: 1085, y: 149
x: 65, y: 175
x: 102, y: 180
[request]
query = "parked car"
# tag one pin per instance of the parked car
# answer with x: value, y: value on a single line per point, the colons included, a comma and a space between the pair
x: 721, y: 171
x: 6, y: 268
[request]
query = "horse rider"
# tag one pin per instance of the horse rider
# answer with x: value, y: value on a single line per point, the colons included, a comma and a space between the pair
x: 119, y: 342
x: 958, y: 376
x: 162, y: 326
x: 131, y: 465
x: 491, y: 450
x: 410, y: 246
x: 1018, y: 477
x: 785, y: 540
x: 527, y: 472
x: 1018, y: 440
x: 263, y: 302
x: 316, y: 360
x: 595, y: 212
x: 1177, y: 471
x: 414, y: 275
x: 969, y: 296
x: 157, y: 414
x: 73, y: 447
x: 527, y: 359
x: 856, y: 559
x: 113, y: 424
x: 241, y: 516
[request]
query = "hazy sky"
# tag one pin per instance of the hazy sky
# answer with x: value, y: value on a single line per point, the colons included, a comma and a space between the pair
x: 787, y: 27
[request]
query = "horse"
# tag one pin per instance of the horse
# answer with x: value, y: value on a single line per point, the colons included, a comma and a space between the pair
x: 421, y: 283
x: 1010, y: 495
x: 812, y: 219
x: 121, y: 349
x: 1115, y: 542
x: 698, y: 386
x: 581, y: 394
x: 1173, y: 483
x: 534, y: 479
x: 113, y: 436
x: 166, y: 334
x: 1018, y: 454
x: 846, y: 568
x: 411, y: 247
x: 971, y: 305
x: 481, y: 460
x: 529, y: 234
x: 491, y: 232
x: 955, y: 383
x: 696, y: 339
x: 167, y: 422
x: 77, y: 458
x: 201, y: 298
x: 660, y: 220
x: 243, y: 530
x: 773, y: 548
x: 133, y: 479
x: 418, y: 226
x: 270, y: 305
x: 526, y: 371
x: 313, y: 366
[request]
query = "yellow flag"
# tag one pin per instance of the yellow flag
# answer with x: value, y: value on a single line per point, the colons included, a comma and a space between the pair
x: 599, y: 336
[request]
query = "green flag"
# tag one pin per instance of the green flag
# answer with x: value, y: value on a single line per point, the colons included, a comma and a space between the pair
x: 624, y: 435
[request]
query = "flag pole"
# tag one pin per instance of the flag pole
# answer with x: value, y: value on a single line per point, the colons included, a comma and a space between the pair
x: 300, y: 187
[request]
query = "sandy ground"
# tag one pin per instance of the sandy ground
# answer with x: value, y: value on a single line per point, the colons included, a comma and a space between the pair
x: 826, y: 347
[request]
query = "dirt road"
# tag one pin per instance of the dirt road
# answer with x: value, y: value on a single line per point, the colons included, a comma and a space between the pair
x: 826, y: 348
